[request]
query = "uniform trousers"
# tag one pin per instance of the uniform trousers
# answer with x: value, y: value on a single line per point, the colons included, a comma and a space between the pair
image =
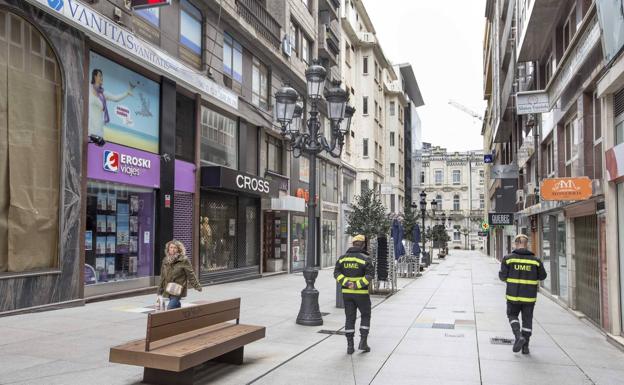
x: 513, y: 310
x: 353, y: 303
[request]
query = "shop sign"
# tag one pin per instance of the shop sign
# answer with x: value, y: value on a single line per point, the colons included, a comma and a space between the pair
x: 504, y: 171
x: 532, y: 102
x: 614, y: 159
x: 488, y: 158
x: 87, y: 20
x: 225, y: 178
x: 566, y: 189
x: 121, y: 164
x: 500, y: 219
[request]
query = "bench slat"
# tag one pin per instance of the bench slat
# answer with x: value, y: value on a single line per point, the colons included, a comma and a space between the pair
x: 160, y: 332
x: 172, y: 316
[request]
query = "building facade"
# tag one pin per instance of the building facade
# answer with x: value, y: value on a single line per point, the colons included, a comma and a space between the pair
x: 456, y: 181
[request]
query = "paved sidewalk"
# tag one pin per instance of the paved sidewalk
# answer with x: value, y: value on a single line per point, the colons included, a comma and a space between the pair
x: 436, y: 330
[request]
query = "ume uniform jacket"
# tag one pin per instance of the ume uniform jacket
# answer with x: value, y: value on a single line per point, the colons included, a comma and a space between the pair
x: 355, y: 267
x: 522, y: 271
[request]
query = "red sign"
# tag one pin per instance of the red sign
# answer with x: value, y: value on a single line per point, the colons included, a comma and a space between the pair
x: 139, y: 4
x: 167, y: 201
x: 614, y: 159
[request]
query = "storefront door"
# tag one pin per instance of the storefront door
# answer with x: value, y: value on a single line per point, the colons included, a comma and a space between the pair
x: 562, y: 260
x: 547, y: 249
x: 587, y: 259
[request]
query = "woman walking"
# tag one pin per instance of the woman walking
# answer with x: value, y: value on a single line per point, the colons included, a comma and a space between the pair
x: 176, y: 274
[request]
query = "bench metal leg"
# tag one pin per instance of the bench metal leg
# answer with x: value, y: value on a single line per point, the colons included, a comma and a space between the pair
x: 234, y: 357
x: 166, y: 377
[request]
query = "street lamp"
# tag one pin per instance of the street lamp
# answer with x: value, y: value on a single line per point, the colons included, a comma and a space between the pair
x: 423, y: 214
x: 312, y: 142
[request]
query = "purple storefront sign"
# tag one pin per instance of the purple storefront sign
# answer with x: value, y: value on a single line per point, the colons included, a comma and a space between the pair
x: 184, y: 176
x: 119, y: 164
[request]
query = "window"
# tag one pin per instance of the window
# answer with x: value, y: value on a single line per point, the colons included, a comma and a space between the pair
x: 347, y: 189
x: 30, y: 207
x: 422, y: 177
x: 400, y: 173
x: 438, y: 177
x: 456, y: 177
x: 439, y: 201
x: 301, y: 45
x: 456, y: 202
x: 365, y: 147
x: 364, y: 185
x: 219, y: 139
x: 190, y: 33
x: 275, y: 153
x: 392, y: 204
x: 392, y: 139
x: 185, y: 128
x: 365, y: 65
x: 376, y: 111
x: 379, y: 114
x: 548, y: 69
x: 347, y: 52
x: 569, y: 28
x: 550, y: 159
x: 598, y: 154
x: 571, y: 144
x: 392, y: 170
x: 392, y: 106
x: 259, y: 84
x: 481, y: 201
x: 306, y: 49
x: 329, y: 182
x: 232, y: 58
x: 365, y: 105
x: 376, y: 150
x: 481, y: 177
x: 376, y: 71
x: 456, y: 235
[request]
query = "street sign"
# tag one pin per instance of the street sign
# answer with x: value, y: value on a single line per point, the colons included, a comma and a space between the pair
x: 483, y: 233
x: 485, y: 226
x: 488, y: 158
x: 532, y: 102
x: 140, y: 4
x: 566, y: 189
x: 500, y: 219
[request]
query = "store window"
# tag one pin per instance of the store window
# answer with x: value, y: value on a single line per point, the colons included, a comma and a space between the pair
x: 190, y: 33
x: 185, y: 128
x: 562, y: 260
x: 275, y: 153
x: 298, y: 235
x: 232, y: 62
x: 119, y: 237
x: 219, y: 139
x: 329, y: 234
x: 546, y: 249
x: 30, y: 105
x: 259, y: 84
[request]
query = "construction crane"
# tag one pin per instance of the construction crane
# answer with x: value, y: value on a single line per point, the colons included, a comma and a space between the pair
x: 465, y: 109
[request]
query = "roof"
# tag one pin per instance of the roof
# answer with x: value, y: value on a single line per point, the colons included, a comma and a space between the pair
x: 413, y: 91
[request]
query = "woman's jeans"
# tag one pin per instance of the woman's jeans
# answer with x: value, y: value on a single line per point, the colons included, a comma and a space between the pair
x: 174, y: 303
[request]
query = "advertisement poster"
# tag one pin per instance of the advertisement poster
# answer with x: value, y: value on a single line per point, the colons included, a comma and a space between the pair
x: 110, y: 266
x: 134, y: 224
x: 134, y: 243
x: 123, y: 228
x: 100, y: 264
x: 112, y: 201
x: 111, y: 224
x: 101, y: 223
x: 133, y: 264
x: 100, y: 245
x: 124, y: 107
x: 110, y: 244
x: 89, y: 240
x: 134, y: 204
x: 101, y: 200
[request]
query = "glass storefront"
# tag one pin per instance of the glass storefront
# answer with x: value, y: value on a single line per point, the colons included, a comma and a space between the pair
x: 620, y: 198
x: 547, y: 248
x: 329, y: 232
x: 562, y: 261
x: 119, y: 237
x: 298, y: 235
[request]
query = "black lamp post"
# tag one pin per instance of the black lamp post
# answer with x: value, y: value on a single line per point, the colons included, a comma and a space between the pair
x: 310, y: 141
x: 423, y: 213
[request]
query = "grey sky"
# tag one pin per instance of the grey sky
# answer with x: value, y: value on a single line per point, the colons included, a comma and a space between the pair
x: 443, y: 41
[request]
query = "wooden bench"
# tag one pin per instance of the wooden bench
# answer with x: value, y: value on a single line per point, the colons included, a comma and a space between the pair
x: 178, y: 341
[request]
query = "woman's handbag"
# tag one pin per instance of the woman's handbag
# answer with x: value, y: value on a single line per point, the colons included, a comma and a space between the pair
x: 174, y: 289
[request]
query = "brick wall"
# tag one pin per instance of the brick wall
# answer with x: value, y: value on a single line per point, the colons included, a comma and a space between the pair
x: 183, y: 220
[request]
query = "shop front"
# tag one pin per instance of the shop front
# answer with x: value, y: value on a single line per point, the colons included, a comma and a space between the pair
x: 120, y: 218
x: 184, y: 202
x: 229, y: 229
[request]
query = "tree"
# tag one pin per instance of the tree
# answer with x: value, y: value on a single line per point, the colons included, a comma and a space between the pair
x: 410, y: 220
x: 368, y: 216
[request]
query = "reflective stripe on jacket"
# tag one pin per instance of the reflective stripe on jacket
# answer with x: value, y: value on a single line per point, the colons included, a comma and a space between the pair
x: 522, y: 271
x: 356, y: 267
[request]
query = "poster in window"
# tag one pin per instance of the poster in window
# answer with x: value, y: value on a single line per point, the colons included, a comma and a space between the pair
x: 101, y: 223
x: 100, y: 245
x: 124, y: 107
x: 123, y: 228
x: 134, y: 204
x: 134, y: 243
x: 100, y: 264
x: 133, y: 264
x: 134, y: 224
x: 110, y: 266
x: 110, y: 244
x: 88, y: 240
x: 102, y: 197
x: 112, y: 201
x: 111, y: 224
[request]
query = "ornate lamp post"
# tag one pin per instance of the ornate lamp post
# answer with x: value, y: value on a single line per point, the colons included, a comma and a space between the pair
x: 423, y: 213
x: 311, y: 142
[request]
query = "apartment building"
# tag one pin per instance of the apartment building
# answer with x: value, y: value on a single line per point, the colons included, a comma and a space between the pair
x: 456, y: 180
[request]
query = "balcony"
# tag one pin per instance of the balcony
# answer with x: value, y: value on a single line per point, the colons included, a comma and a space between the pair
x: 366, y: 38
x: 331, y: 7
x: 256, y: 15
x: 535, y: 21
x: 329, y: 42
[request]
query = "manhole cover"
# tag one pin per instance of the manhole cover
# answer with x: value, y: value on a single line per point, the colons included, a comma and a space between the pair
x: 453, y: 335
x: 501, y: 341
x: 332, y: 332
x: 443, y: 326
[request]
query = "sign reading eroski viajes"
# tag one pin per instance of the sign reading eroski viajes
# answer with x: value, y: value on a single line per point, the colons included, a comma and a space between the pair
x: 97, y: 25
x: 115, y: 163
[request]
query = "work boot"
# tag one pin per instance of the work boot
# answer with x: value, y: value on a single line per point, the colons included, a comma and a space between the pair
x: 525, y: 348
x: 363, y: 343
x: 350, y: 347
x: 519, y: 343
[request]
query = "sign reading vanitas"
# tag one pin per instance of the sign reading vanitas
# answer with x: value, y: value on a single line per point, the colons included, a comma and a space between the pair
x: 500, y: 219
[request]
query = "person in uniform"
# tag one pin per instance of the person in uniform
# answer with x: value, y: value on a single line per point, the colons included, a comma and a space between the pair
x: 354, y: 272
x: 522, y: 271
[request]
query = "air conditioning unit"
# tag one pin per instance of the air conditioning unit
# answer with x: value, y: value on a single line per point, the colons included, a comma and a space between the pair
x: 530, y: 188
x: 287, y: 46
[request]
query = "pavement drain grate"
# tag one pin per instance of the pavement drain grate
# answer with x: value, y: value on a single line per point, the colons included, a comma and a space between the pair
x: 501, y: 341
x: 454, y: 335
x: 443, y: 326
x: 332, y: 332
